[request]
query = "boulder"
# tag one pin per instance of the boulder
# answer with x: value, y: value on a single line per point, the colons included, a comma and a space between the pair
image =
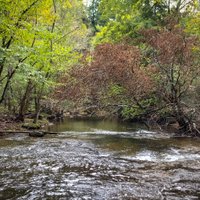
x: 36, y: 134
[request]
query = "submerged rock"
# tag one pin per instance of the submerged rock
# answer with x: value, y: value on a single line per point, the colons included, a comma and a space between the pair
x: 36, y: 134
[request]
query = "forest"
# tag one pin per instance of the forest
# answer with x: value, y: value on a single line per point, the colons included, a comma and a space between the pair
x: 135, y: 60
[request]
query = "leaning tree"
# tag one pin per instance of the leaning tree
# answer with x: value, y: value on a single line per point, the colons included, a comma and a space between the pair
x: 176, y: 56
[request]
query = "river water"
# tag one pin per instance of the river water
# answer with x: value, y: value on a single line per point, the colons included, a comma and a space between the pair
x: 99, y: 160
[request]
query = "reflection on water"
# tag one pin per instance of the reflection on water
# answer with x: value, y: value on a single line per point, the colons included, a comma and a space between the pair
x: 99, y: 160
x: 82, y: 125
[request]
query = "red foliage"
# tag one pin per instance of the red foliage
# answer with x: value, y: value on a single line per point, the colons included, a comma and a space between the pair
x: 111, y: 64
x: 173, y: 55
x: 173, y: 47
x: 176, y: 56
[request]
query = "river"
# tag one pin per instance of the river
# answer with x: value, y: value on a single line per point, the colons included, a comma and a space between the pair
x: 99, y: 160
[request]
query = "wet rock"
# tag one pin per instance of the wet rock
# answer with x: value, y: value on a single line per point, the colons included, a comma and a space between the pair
x: 36, y: 134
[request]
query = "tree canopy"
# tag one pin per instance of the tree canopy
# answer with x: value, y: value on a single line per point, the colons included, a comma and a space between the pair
x: 39, y: 40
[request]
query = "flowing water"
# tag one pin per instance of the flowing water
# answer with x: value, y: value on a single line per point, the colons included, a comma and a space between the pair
x: 99, y: 160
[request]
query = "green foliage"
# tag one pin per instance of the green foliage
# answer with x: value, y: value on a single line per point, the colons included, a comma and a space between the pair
x: 94, y: 14
x: 131, y: 112
x: 40, y: 40
x: 115, y: 90
x: 124, y: 19
x: 192, y: 24
x: 136, y: 111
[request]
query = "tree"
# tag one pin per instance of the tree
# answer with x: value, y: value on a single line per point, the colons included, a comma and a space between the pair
x: 112, y: 78
x: 37, y: 45
x: 94, y: 14
x: 176, y: 56
x: 125, y: 18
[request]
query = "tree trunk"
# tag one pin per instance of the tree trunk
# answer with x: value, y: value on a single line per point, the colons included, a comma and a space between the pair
x: 37, y: 109
x: 187, y: 126
x: 6, y: 46
x: 24, y: 102
x: 5, y: 88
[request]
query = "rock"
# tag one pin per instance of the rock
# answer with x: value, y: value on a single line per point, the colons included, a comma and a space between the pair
x: 36, y: 134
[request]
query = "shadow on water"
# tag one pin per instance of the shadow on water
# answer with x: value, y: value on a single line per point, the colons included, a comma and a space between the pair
x: 99, y: 160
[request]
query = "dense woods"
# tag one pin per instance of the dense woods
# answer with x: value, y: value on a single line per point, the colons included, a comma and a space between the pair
x: 134, y: 60
x: 39, y: 40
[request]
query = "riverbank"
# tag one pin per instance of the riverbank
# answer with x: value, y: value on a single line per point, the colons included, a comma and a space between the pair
x: 9, y: 124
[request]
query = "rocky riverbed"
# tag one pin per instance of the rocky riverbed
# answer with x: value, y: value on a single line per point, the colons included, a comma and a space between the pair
x: 99, y: 164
